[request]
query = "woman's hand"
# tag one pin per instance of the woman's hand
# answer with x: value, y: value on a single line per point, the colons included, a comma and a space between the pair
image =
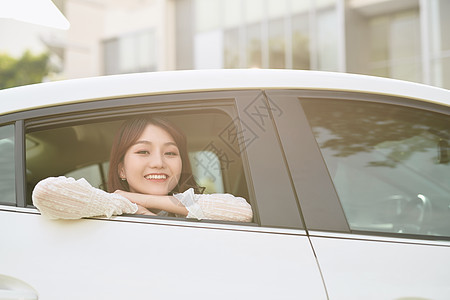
x: 143, y: 211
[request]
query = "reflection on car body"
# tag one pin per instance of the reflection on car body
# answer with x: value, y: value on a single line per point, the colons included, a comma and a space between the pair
x: 346, y: 176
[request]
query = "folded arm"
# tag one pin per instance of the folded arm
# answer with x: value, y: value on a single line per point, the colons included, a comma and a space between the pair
x: 200, y: 206
x: 67, y: 198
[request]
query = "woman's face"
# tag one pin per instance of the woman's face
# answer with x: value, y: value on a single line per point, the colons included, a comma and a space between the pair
x: 153, y: 164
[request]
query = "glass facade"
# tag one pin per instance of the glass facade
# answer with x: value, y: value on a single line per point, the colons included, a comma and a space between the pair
x: 398, y: 39
x: 404, y: 39
x: 135, y: 52
x: 300, y: 43
x: 439, y: 41
x: 277, y: 34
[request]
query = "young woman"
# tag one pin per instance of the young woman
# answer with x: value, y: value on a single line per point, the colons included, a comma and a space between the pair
x: 149, y: 173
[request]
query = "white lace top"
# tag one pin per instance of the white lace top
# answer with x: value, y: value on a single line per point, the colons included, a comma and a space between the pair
x: 67, y: 198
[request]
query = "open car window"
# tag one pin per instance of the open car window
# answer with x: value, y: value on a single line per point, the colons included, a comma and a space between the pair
x: 82, y: 149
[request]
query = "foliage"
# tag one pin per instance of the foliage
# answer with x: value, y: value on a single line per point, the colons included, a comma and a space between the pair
x: 27, y: 69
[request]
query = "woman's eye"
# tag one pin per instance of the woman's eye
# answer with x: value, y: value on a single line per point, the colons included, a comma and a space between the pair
x: 170, y: 153
x: 142, y: 152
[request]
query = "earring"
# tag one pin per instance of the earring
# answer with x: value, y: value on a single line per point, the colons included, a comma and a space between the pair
x: 123, y: 179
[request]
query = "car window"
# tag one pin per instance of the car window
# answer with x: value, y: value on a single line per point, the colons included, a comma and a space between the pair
x: 207, y: 168
x: 7, y: 168
x: 390, y: 165
x: 82, y: 149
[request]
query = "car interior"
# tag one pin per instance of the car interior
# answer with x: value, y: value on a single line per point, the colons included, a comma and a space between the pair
x: 81, y: 149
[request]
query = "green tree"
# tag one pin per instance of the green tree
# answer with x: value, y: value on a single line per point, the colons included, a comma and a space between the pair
x: 27, y: 69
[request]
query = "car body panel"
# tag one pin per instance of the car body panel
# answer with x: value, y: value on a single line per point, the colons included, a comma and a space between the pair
x: 100, y: 259
x: 355, y: 266
x: 363, y: 267
x: 139, y: 84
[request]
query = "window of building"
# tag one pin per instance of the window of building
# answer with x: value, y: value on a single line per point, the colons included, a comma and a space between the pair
x: 7, y: 166
x: 395, y: 50
x: 390, y: 165
x: 326, y: 39
x: 231, y: 49
x: 207, y: 15
x: 301, y: 41
x: 277, y: 44
x: 253, y: 46
x: 134, y: 52
x: 439, y: 42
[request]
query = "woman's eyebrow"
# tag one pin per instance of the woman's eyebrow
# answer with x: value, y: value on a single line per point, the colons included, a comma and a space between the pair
x: 145, y: 142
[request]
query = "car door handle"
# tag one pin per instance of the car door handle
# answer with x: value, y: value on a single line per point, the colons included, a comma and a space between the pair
x: 14, y: 289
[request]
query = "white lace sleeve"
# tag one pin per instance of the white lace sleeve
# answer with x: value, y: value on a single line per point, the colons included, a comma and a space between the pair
x: 67, y: 198
x: 215, y: 206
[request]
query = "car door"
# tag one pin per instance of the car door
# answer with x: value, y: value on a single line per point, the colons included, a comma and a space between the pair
x: 137, y: 257
x: 376, y: 205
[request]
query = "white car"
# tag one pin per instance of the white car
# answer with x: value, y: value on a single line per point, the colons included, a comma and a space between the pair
x: 347, y: 176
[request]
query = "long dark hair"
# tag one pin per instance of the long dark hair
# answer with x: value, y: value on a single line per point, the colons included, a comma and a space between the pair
x: 128, y: 135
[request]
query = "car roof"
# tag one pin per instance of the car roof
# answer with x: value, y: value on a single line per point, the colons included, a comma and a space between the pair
x: 153, y: 83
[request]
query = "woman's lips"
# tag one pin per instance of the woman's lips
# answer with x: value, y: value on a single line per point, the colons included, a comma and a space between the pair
x: 156, y: 177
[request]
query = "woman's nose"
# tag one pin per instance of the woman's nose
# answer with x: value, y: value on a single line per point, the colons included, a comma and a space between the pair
x: 156, y: 160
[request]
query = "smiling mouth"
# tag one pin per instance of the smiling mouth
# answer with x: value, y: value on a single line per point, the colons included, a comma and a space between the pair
x: 156, y: 176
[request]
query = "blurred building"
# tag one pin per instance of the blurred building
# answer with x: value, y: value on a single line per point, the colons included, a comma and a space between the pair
x: 403, y: 39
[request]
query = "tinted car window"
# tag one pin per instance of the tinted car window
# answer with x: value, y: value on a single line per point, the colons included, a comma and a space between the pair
x: 7, y: 169
x: 390, y: 165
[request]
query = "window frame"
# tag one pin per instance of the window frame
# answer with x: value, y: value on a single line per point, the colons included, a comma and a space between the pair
x: 255, y: 113
x: 13, y: 129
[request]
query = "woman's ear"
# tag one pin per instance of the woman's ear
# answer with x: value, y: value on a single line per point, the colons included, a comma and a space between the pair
x: 121, y: 171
